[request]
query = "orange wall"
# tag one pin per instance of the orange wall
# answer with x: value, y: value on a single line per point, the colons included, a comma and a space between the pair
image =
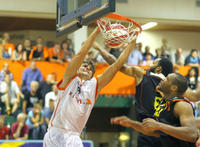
x: 121, y: 84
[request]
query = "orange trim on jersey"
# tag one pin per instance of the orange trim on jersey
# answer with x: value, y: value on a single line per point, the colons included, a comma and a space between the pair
x: 197, y: 142
x: 63, y: 88
x: 45, y: 144
x: 178, y: 100
x: 96, y: 93
x: 55, y: 112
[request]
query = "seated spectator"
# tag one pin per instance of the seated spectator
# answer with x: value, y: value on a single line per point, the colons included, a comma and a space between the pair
x: 30, y: 74
x: 193, y: 60
x: 8, y: 47
x: 68, y: 52
x: 35, y: 122
x: 5, y: 71
x: 178, y: 58
x: 27, y: 48
x: 19, y: 53
x: 56, y: 54
x: 51, y: 95
x: 46, y: 86
x: 10, y: 94
x: 20, y: 130
x: 4, y: 131
x: 39, y: 40
x: 39, y: 54
x: 148, y: 61
x: 31, y: 97
x: 193, y: 79
x: 147, y: 51
x: 48, y: 112
x: 70, y: 46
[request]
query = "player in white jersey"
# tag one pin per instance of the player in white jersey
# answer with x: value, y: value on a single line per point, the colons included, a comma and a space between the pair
x: 77, y: 94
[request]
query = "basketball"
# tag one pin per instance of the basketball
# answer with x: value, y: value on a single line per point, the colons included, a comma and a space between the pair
x: 116, y: 35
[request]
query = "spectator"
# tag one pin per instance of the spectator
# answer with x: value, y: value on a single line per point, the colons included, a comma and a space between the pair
x: 27, y: 48
x: 178, y: 58
x: 19, y: 129
x: 135, y: 58
x: 147, y: 51
x: 51, y: 95
x: 30, y: 74
x: 5, y: 71
x: 164, y: 53
x: 56, y: 54
x: 31, y: 97
x: 39, y: 54
x: 68, y: 52
x: 48, y: 112
x: 46, y: 86
x: 35, y: 122
x: 10, y: 94
x: 39, y: 40
x: 139, y: 46
x: 165, y: 47
x: 193, y: 60
x: 70, y: 46
x: 193, y: 79
x: 158, y: 53
x: 8, y: 47
x: 4, y: 131
x: 19, y: 53
x: 148, y: 60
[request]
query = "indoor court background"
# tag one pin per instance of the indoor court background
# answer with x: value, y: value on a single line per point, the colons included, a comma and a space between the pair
x: 178, y: 23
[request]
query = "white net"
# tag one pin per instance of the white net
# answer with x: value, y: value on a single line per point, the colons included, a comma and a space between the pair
x: 117, y: 33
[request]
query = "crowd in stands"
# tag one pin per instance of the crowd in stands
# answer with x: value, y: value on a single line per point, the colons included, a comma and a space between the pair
x: 32, y: 102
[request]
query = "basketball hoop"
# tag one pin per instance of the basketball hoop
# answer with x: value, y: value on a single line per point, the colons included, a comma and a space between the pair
x: 118, y: 30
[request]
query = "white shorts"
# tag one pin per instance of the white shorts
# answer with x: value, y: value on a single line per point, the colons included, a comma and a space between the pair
x: 57, y: 138
x: 12, y: 100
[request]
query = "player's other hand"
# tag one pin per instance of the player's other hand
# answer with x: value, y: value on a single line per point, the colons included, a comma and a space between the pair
x: 150, y: 124
x: 121, y: 120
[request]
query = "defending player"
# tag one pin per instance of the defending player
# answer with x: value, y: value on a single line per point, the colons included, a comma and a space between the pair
x: 175, y: 123
x: 147, y: 99
x: 77, y: 94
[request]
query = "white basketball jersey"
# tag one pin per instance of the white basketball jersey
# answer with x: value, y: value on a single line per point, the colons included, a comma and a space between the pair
x: 74, y: 104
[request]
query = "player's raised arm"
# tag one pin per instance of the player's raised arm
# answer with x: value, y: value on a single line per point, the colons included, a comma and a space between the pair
x: 77, y: 60
x: 110, y: 72
x: 133, y: 71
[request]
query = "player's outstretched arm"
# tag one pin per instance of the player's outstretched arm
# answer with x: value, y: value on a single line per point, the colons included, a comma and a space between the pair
x: 110, y: 72
x: 136, y: 125
x: 193, y: 96
x: 186, y: 132
x: 133, y: 71
x: 77, y: 60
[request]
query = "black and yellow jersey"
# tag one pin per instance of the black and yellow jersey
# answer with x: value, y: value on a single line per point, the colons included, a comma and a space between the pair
x: 166, y: 115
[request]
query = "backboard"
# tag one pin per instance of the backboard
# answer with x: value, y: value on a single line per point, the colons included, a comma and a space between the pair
x: 73, y: 14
